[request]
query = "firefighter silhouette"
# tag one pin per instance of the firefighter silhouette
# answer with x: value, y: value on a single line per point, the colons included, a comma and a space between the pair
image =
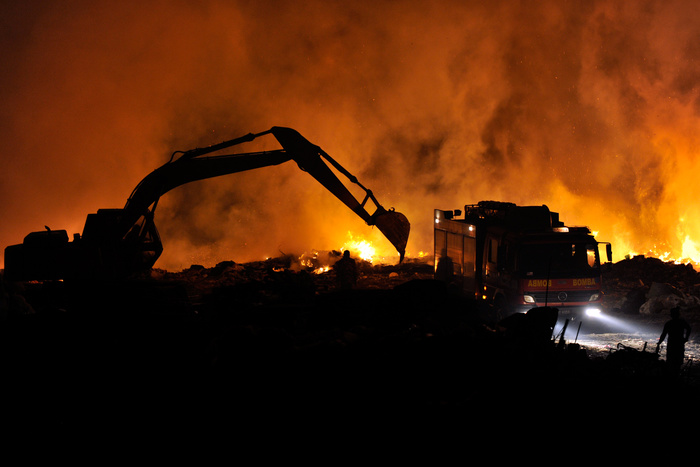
x: 346, y: 271
x: 678, y: 331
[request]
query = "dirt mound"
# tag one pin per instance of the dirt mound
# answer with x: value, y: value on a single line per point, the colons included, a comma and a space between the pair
x: 651, y: 286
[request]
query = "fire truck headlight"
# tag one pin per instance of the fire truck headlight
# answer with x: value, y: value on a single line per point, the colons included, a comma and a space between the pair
x: 528, y: 299
x: 593, y: 312
x: 594, y: 297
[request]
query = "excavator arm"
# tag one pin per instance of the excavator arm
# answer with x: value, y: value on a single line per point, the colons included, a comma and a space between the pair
x: 392, y: 224
x: 118, y: 242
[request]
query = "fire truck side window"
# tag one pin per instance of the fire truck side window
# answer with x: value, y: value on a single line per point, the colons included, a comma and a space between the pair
x: 454, y: 251
x: 592, y: 253
x: 440, y: 245
x: 469, y: 267
x: 584, y: 254
x: 493, y: 250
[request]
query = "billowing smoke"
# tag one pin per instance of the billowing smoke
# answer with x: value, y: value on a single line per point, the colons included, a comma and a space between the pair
x: 590, y: 107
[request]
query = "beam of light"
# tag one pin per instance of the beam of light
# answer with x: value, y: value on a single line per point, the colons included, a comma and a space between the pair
x: 615, y: 324
x: 593, y: 312
x: 595, y: 323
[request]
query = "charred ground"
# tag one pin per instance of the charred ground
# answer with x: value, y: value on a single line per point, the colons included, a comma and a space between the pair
x: 266, y: 340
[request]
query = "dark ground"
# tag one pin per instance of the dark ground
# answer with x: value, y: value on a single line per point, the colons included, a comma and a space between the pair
x: 261, y: 346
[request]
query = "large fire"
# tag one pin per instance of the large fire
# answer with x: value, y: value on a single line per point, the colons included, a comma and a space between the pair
x: 360, y: 247
x: 592, y: 108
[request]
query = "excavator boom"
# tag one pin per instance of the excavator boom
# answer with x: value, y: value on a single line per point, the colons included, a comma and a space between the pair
x: 119, y: 242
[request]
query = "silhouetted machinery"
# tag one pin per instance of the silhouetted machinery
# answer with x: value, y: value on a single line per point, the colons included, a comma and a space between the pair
x: 519, y: 257
x: 116, y: 243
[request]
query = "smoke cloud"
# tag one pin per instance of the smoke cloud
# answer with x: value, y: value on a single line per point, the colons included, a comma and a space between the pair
x: 590, y: 107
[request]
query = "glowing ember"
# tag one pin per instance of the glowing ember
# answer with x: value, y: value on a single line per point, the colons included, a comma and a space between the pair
x: 689, y: 255
x: 315, y: 262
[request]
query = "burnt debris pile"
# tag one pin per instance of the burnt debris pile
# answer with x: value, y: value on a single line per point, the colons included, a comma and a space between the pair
x: 651, y: 287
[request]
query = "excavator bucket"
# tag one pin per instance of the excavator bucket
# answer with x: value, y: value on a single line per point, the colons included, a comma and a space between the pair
x: 395, y: 227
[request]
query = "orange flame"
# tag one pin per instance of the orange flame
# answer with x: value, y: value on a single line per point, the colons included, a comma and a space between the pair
x: 362, y: 248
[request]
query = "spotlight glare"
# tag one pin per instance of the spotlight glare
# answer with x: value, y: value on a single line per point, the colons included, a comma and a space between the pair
x: 593, y: 312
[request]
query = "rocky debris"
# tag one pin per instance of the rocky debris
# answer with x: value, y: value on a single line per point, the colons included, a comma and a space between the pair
x: 650, y: 286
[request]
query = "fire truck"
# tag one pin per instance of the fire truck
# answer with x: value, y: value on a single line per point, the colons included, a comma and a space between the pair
x: 515, y: 258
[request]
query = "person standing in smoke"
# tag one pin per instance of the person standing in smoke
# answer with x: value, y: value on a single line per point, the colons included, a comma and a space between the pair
x: 678, y: 331
x: 445, y: 268
x: 346, y: 271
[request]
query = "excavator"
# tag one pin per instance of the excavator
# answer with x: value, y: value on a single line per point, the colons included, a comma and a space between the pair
x: 118, y: 243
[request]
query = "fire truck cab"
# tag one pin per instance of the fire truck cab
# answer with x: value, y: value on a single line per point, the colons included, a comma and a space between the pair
x: 519, y: 257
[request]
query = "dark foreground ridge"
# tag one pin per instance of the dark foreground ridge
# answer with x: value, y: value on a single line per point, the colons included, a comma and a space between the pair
x: 260, y: 344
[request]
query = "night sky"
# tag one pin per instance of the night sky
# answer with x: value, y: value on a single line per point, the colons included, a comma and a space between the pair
x: 590, y: 107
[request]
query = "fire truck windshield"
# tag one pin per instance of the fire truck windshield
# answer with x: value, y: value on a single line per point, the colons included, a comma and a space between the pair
x: 558, y: 259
